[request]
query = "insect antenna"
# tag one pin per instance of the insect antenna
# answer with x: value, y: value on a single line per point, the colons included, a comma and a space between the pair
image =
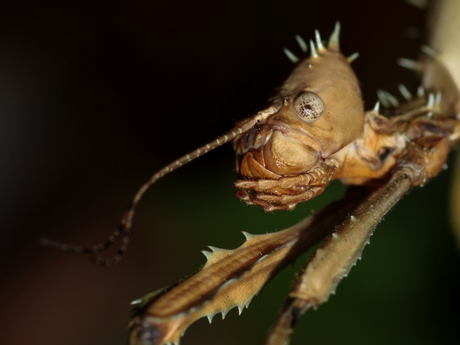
x: 124, y: 228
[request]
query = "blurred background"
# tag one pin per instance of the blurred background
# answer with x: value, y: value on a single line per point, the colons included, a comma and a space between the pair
x: 95, y: 96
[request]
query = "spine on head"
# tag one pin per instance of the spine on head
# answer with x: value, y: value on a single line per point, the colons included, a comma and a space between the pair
x: 283, y: 160
x: 328, y: 74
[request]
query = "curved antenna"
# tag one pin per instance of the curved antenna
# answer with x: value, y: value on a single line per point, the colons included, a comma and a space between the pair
x: 126, y: 222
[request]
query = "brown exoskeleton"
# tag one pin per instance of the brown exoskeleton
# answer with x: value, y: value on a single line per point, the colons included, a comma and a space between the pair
x: 315, y: 130
x: 318, y: 132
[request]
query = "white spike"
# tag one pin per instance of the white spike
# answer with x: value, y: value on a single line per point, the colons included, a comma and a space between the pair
x: 406, y: 138
x: 314, y: 54
x: 224, y: 313
x: 420, y: 91
x: 438, y: 98
x: 334, y: 39
x: 210, y: 318
x: 214, y: 249
x: 301, y: 43
x: 353, y: 57
x: 382, y: 98
x: 409, y: 64
x: 206, y: 253
x: 405, y: 92
x: 319, y: 43
x: 392, y: 99
x: 429, y: 51
x: 430, y: 102
x: 247, y: 304
x: 136, y: 301
x: 290, y: 55
x: 247, y: 235
x: 240, y: 310
x: 377, y: 107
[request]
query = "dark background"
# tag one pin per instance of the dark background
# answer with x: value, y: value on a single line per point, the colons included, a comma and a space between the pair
x: 96, y: 96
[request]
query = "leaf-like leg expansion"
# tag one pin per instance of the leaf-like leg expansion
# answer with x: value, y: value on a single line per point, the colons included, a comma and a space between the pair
x: 333, y: 261
x: 231, y: 278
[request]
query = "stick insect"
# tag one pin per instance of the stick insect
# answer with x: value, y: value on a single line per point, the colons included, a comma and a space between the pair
x: 390, y: 155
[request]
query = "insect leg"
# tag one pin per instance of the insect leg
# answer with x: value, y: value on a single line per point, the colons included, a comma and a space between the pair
x: 321, y: 275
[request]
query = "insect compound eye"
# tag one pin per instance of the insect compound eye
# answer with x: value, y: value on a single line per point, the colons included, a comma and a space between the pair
x: 309, y: 106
